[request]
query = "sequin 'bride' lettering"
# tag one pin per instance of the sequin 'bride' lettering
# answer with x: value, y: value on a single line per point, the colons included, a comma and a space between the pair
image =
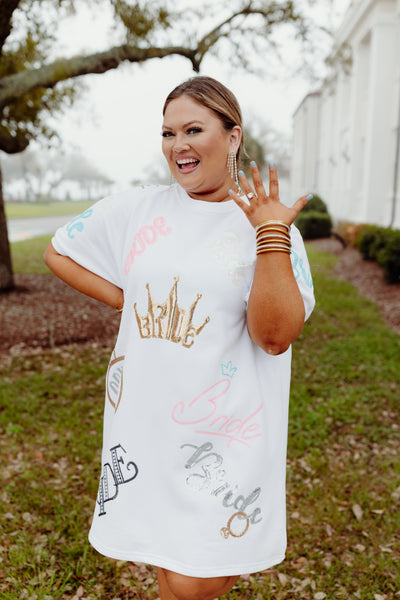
x: 207, y: 474
x: 204, y: 413
x: 168, y: 321
x: 145, y: 236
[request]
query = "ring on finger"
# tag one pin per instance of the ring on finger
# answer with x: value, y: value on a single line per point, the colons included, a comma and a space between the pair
x: 250, y: 195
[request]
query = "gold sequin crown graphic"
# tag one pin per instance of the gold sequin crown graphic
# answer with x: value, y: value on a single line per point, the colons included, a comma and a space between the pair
x: 167, y: 320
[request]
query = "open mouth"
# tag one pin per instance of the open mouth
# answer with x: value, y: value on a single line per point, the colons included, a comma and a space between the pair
x: 187, y: 165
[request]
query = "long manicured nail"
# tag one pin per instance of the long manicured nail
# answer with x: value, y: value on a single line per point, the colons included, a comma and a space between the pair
x: 309, y: 197
x: 253, y: 163
x: 241, y: 173
x: 271, y: 164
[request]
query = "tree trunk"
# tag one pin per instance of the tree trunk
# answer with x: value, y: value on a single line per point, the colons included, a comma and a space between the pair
x: 6, y: 273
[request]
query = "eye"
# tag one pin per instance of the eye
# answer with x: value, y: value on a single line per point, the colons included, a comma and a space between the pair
x: 166, y: 134
x: 194, y: 130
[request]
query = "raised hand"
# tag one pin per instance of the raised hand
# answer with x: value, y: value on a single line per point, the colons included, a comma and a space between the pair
x: 262, y: 206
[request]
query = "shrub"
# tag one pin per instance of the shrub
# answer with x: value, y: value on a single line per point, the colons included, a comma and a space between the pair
x: 371, y: 241
x: 314, y: 224
x: 315, y: 205
x: 383, y: 245
x: 388, y: 256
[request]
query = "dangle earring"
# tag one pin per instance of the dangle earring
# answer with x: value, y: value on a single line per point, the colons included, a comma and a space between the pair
x: 232, y: 168
x: 171, y: 178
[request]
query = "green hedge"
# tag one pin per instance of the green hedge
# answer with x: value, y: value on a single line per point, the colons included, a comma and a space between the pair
x: 313, y: 225
x: 314, y: 221
x: 383, y: 245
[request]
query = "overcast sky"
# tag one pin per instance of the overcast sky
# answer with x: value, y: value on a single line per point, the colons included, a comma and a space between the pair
x: 117, y: 123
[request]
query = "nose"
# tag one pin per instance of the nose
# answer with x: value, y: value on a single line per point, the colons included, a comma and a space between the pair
x: 180, y: 143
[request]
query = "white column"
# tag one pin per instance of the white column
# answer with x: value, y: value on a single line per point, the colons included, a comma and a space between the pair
x: 358, y: 125
x: 379, y: 159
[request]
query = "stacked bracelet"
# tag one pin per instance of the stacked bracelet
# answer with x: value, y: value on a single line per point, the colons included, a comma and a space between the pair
x: 273, y: 236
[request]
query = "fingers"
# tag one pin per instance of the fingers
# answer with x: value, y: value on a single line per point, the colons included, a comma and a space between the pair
x: 257, y: 181
x: 245, y: 184
x: 239, y: 201
x: 273, y: 182
x: 301, y: 202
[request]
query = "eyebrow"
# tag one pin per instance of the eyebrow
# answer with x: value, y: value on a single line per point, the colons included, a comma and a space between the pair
x: 186, y: 124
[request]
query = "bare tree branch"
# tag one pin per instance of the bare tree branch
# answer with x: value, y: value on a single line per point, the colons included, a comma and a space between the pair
x: 47, y: 76
x: 272, y: 15
x: 16, y: 86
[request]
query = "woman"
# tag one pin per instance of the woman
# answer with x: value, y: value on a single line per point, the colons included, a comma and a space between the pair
x: 213, y: 286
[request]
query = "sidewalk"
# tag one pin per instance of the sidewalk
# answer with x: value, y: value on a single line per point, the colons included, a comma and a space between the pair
x: 24, y: 229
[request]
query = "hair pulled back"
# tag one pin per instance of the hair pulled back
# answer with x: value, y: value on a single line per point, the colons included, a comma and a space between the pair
x: 213, y: 95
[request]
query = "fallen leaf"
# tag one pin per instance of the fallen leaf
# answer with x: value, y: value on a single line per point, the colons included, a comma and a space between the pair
x: 305, y: 583
x: 357, y: 511
x: 283, y: 579
x: 319, y: 596
x: 27, y: 517
x: 38, y: 454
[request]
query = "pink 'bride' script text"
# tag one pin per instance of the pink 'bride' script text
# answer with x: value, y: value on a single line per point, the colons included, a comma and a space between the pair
x: 203, y: 412
x: 145, y: 236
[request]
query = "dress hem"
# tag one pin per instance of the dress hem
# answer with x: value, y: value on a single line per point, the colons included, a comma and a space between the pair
x: 158, y: 561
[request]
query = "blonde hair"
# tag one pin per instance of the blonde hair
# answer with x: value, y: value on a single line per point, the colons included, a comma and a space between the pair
x: 215, y: 96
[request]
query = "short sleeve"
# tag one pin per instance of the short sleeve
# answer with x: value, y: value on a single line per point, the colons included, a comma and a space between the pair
x: 302, y: 271
x: 92, y: 239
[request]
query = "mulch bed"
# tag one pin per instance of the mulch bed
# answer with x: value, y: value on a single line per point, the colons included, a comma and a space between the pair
x: 43, y: 312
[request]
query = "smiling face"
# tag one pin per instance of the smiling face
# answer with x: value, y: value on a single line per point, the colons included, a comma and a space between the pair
x: 196, y: 147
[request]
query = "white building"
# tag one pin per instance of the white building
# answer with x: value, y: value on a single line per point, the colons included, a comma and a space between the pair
x: 346, y: 145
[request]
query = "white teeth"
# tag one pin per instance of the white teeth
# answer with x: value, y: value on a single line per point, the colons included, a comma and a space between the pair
x: 185, y: 161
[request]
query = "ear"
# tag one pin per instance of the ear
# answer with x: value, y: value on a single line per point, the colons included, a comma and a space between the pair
x: 235, y: 137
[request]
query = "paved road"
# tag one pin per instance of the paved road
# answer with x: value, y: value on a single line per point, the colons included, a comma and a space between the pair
x: 24, y: 229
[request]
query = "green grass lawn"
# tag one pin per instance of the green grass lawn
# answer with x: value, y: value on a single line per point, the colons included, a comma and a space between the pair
x: 37, y: 209
x: 27, y: 256
x: 343, y: 489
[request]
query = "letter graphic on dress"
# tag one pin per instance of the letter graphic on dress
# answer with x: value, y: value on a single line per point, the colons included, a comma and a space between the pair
x: 113, y: 475
x: 114, y: 380
x: 167, y: 320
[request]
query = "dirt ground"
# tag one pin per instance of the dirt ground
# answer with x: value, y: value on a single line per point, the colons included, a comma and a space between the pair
x: 43, y: 312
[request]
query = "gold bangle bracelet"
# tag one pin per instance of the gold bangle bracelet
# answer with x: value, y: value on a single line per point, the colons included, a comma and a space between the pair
x: 271, y: 248
x: 281, y: 234
x: 273, y: 238
x: 275, y: 243
x: 273, y: 226
x: 262, y: 246
x: 272, y: 222
x: 275, y: 230
x: 286, y: 251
